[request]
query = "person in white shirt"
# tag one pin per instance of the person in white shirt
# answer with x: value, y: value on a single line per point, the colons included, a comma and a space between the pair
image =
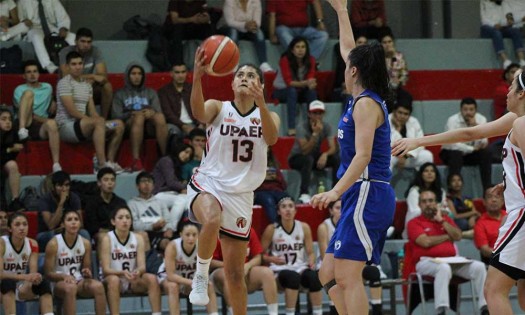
x: 468, y: 153
x: 10, y: 26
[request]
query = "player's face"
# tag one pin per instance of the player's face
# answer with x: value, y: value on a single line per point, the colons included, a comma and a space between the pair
x: 189, y: 235
x: 19, y: 227
x: 429, y: 175
x: 179, y: 74
x: 135, y: 76
x: 514, y: 95
x: 84, y: 44
x: 493, y: 202
x: 76, y: 66
x: 145, y: 186
x: 299, y: 50
x: 428, y: 204
x: 287, y: 210
x: 122, y: 220
x: 388, y: 44
x: 107, y: 183
x: 401, y: 115
x: 72, y: 222
x: 456, y: 184
x: 31, y: 74
x: 6, y: 122
x: 244, y: 78
x: 184, y: 156
x: 335, y: 211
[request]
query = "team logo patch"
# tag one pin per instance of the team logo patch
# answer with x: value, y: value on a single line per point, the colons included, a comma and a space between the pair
x: 255, y: 121
x: 78, y: 251
x: 132, y: 246
x: 24, y: 257
x: 241, y: 222
x: 297, y: 238
x: 337, y: 245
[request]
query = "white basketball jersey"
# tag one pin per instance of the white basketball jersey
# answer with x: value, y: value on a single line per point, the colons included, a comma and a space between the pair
x: 513, y: 176
x: 185, y: 263
x: 69, y: 259
x: 16, y: 262
x: 289, y: 246
x: 330, y: 227
x: 235, y: 154
x: 123, y: 255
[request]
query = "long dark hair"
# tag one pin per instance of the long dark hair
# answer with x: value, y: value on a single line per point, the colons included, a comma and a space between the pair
x: 174, y: 155
x: 434, y: 186
x: 292, y: 60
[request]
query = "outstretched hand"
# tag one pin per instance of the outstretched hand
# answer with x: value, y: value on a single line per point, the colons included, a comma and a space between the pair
x: 257, y: 92
x: 403, y: 146
x: 199, y: 67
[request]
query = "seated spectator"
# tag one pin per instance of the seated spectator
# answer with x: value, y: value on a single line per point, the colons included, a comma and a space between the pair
x: 295, y: 82
x: 369, y: 18
x: 466, y: 212
x: 99, y: 208
x: 288, y: 20
x: 36, y: 106
x: 291, y: 256
x: 10, y: 24
x: 517, y: 11
x: 306, y: 152
x: 432, y: 234
x: 95, y: 71
x: 487, y: 227
x: 404, y: 125
x: 4, y: 229
x: 501, y: 90
x: 139, y: 107
x: 56, y: 21
x: 198, y: 143
x: 78, y: 119
x: 497, y: 24
x: 272, y: 189
x: 256, y: 276
x: 468, y: 153
x: 150, y: 215
x: 243, y: 21
x: 9, y: 150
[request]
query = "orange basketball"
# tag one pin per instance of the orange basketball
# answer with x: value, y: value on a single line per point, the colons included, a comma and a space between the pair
x: 222, y: 55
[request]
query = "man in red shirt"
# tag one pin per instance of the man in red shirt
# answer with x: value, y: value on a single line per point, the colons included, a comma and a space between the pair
x: 432, y: 235
x: 487, y: 226
x: 257, y: 277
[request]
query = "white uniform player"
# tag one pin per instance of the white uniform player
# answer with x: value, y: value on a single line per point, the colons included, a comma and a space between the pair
x: 16, y: 262
x: 185, y: 263
x: 234, y: 165
x: 69, y: 259
x: 290, y: 246
x: 330, y: 228
x: 123, y: 256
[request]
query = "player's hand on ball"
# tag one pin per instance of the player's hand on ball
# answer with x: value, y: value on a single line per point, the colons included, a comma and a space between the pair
x: 257, y: 91
x: 199, y: 68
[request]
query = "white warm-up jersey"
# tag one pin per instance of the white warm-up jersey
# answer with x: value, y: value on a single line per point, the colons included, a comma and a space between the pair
x: 290, y: 246
x: 16, y: 262
x: 185, y: 263
x: 235, y: 155
x: 513, y: 176
x: 69, y: 259
x: 330, y: 227
x: 123, y: 255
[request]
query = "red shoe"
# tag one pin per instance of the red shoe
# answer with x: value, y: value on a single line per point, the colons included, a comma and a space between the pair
x: 136, y: 166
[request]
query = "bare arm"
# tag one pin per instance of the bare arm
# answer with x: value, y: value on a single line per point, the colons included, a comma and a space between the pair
x: 105, y: 258
x: 67, y: 101
x: 486, y: 251
x: 270, y: 121
x: 309, y: 244
x: 346, y: 35
x: 204, y: 112
x: 322, y: 239
x: 170, y: 264
x: 141, y: 255
x: 49, y: 264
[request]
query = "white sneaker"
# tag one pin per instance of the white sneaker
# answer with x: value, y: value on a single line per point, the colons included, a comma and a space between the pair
x: 265, y: 67
x: 390, y: 232
x: 23, y: 133
x: 116, y: 167
x: 506, y: 63
x: 199, y: 290
x: 51, y: 68
x: 305, y: 198
x: 56, y: 167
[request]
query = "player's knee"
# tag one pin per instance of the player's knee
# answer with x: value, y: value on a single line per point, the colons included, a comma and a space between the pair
x: 70, y: 289
x: 444, y: 271
x: 372, y: 274
x: 289, y: 279
x: 310, y: 280
x: 172, y: 288
x: 51, y: 125
x: 28, y: 95
x: 234, y: 276
x: 113, y: 283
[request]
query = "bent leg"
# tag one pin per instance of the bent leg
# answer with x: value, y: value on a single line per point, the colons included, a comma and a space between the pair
x: 349, y: 279
x: 234, y: 253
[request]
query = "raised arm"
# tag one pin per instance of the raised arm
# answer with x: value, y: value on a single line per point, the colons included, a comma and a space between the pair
x: 346, y: 35
x: 204, y: 112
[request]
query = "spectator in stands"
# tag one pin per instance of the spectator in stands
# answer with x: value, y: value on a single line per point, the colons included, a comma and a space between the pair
x: 95, y: 71
x: 295, y: 81
x: 198, y: 142
x: 4, y: 229
x: 403, y: 125
x: 99, y: 208
x: 10, y: 26
x: 68, y: 265
x: 256, y: 276
x: 500, y: 93
x: 290, y: 253
x: 369, y: 18
x: 272, y: 189
x: 466, y: 212
x: 150, y: 215
x: 288, y: 20
x: 57, y: 21
x: 36, y: 106
x: 78, y: 119
x: 243, y: 21
x: 9, y: 150
x: 497, y: 24
x: 427, y: 178
x: 487, y: 226
x: 468, y: 153
x: 397, y: 71
x: 432, y: 234
x: 176, y: 272
x: 52, y: 207
x: 187, y: 20
x: 306, y: 153
x: 517, y: 11
x: 123, y: 264
x: 139, y: 107
x: 174, y: 100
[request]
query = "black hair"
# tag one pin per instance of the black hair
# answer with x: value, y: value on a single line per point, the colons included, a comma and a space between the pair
x: 105, y: 170
x: 197, y: 132
x: 30, y: 62
x: 59, y: 178
x: 142, y: 175
x: 15, y: 215
x: 369, y: 60
x: 178, y: 64
x: 451, y: 176
x: 185, y: 221
x: 68, y: 211
x: 73, y: 55
x: 5, y: 109
x: 292, y: 60
x: 469, y: 101
x: 257, y: 70
x: 84, y: 32
x: 177, y: 148
x: 424, y: 190
x: 116, y: 210
x: 407, y: 106
x: 435, y: 186
x: 385, y: 34
x: 507, y: 70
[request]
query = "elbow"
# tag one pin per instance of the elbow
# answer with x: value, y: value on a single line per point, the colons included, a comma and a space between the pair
x: 456, y: 237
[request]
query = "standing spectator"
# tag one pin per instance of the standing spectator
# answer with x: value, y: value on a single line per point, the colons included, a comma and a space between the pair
x: 404, y: 125
x: 9, y: 150
x: 468, y: 153
x: 10, y: 25
x: 139, y: 107
x: 289, y: 19
x: 466, y: 212
x: 174, y: 100
x: 306, y: 152
x: 495, y: 24
x: 198, y: 143
x: 243, y: 19
x: 295, y: 81
x: 57, y: 21
x: 487, y: 227
x: 369, y: 18
x: 95, y: 71
x: 36, y: 106
x: 501, y: 90
x: 78, y: 119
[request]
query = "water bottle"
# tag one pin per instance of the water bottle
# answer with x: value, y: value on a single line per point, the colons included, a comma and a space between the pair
x: 321, y: 188
x: 110, y: 125
x: 95, y: 164
x: 400, y: 262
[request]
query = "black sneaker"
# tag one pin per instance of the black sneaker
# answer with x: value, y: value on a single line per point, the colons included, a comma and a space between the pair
x: 484, y: 310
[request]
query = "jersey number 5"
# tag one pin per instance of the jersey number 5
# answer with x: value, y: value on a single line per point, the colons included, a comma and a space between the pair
x: 246, y: 155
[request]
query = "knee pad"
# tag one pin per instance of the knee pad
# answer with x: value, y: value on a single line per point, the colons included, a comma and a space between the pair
x: 310, y: 280
x: 8, y: 285
x: 372, y: 274
x: 327, y: 286
x: 289, y: 279
x: 42, y: 288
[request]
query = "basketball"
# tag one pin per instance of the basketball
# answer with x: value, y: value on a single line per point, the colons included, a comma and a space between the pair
x: 222, y: 55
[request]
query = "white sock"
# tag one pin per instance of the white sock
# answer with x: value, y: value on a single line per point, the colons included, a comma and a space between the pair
x: 317, y: 310
x: 230, y: 310
x: 203, y: 266
x: 290, y: 311
x: 156, y: 313
x: 214, y: 313
x: 49, y: 313
x: 374, y: 302
x: 273, y: 309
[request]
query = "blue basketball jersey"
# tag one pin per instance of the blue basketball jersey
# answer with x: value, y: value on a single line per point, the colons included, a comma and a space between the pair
x: 379, y: 166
